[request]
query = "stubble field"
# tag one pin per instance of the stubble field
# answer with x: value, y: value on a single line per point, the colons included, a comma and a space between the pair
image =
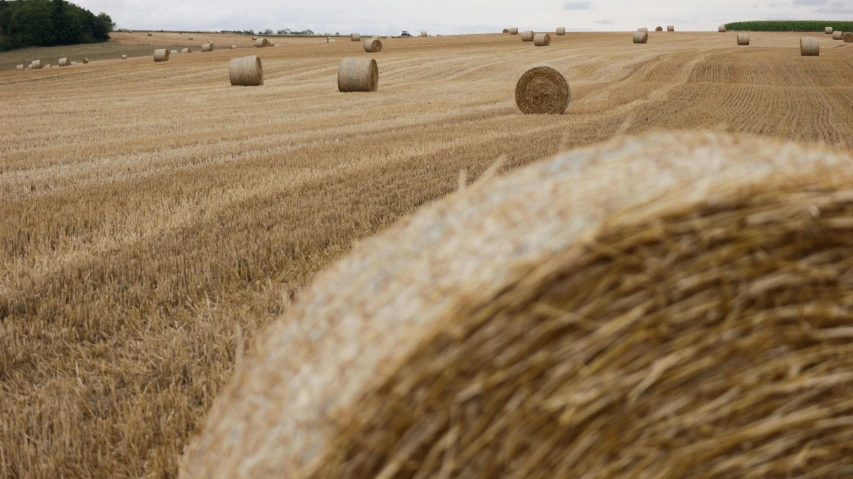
x: 154, y: 218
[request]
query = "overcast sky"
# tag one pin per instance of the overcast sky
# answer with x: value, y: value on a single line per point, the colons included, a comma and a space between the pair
x: 455, y: 16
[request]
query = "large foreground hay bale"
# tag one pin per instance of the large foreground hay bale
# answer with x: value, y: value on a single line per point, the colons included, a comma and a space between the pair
x: 837, y: 35
x: 527, y: 36
x: 828, y: 30
x: 848, y: 37
x: 542, y: 40
x: 641, y: 37
x: 246, y: 71
x: 207, y: 47
x: 355, y: 37
x: 670, y: 306
x: 262, y: 43
x: 187, y: 50
x: 743, y: 39
x: 161, y: 55
x: 809, y: 47
x: 372, y: 45
x: 358, y: 75
x: 670, y: 28
x: 64, y: 62
x: 721, y: 29
x: 19, y: 67
x: 543, y: 90
x: 561, y: 31
x: 513, y: 31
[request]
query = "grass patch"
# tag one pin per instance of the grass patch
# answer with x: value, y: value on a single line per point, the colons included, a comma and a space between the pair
x: 789, y: 26
x: 111, y: 50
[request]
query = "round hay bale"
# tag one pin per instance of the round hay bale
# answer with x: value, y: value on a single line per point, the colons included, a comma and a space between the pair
x: 63, y: 62
x: 161, y: 55
x: 73, y: 63
x: 828, y: 30
x: 233, y: 47
x: 47, y: 66
x: 124, y: 57
x: 254, y: 38
x: 191, y: 37
x: 847, y: 37
x: 837, y: 35
x: 246, y: 71
x: 561, y: 31
x: 187, y: 50
x: 743, y: 39
x: 543, y: 90
x: 85, y: 60
x: 670, y: 28
x: 262, y: 43
x: 643, y: 29
x: 19, y: 67
x: 207, y: 47
x: 358, y: 75
x: 30, y: 66
x: 424, y: 34
x: 513, y: 31
x: 506, y: 30
x: 675, y: 298
x: 355, y: 37
x: 372, y: 45
x: 527, y: 36
x: 809, y: 47
x: 542, y: 40
x: 659, y: 29
x: 149, y: 34
x: 173, y: 52
x: 721, y: 29
x: 641, y: 37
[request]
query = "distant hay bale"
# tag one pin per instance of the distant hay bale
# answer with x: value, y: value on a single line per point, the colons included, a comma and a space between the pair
x: 543, y: 90
x: 191, y: 37
x: 19, y: 67
x: 372, y: 45
x: 30, y: 67
x: 246, y: 71
x: 743, y: 39
x: 254, y: 38
x: 173, y: 52
x: 809, y: 47
x: 207, y: 47
x: 506, y: 30
x: 149, y: 34
x: 187, y: 50
x: 666, y: 306
x: 47, y: 66
x: 828, y: 30
x: 721, y: 29
x: 527, y: 36
x: 641, y: 37
x: 73, y: 63
x: 161, y: 55
x: 124, y: 57
x: 424, y: 34
x: 37, y: 65
x: 670, y: 28
x: 659, y: 29
x: 262, y: 43
x: 837, y: 35
x: 561, y: 31
x: 848, y: 37
x: 85, y: 60
x: 355, y: 37
x: 542, y: 40
x: 233, y: 47
x: 513, y: 31
x: 358, y: 75
x: 63, y: 62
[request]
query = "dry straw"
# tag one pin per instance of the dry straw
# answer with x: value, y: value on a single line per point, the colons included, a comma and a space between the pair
x: 670, y: 28
x: 670, y: 306
x: 743, y: 39
x: 641, y: 37
x: 848, y: 37
x: 207, y: 47
x: 246, y: 71
x: 527, y: 36
x: 542, y: 40
x: 513, y: 31
x: 161, y: 55
x: 721, y: 29
x: 543, y: 90
x: 809, y: 47
x: 837, y: 35
x: 355, y: 37
x: 262, y: 43
x: 372, y: 45
x: 358, y: 75
x: 63, y: 62
x: 828, y: 30
x: 85, y: 60
x: 187, y: 50
x: 561, y: 31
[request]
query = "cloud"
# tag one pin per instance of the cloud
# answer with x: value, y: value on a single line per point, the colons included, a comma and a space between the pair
x: 581, y: 5
x: 836, y: 7
x: 808, y: 3
x: 605, y: 21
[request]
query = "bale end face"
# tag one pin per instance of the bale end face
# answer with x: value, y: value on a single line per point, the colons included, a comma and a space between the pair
x: 542, y: 40
x: 543, y: 90
x: 743, y: 39
x: 372, y: 45
x: 246, y: 71
x: 847, y: 37
x: 641, y: 37
x: 358, y: 75
x: 161, y: 55
x: 809, y: 47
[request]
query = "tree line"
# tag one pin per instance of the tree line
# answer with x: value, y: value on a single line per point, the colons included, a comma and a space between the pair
x: 44, y: 23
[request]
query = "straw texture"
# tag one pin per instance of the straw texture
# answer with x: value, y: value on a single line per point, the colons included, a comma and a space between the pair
x: 543, y: 90
x: 246, y: 71
x: 262, y: 43
x: 542, y: 40
x: 743, y: 39
x: 513, y: 31
x: 63, y: 62
x: 561, y: 31
x: 848, y: 37
x: 358, y: 75
x: 670, y: 28
x: 661, y: 307
x: 837, y: 35
x: 721, y: 29
x: 372, y: 45
x: 207, y: 47
x: 809, y: 47
x: 355, y: 37
x: 187, y: 50
x: 828, y: 30
x: 527, y: 36
x: 161, y: 55
x: 641, y: 37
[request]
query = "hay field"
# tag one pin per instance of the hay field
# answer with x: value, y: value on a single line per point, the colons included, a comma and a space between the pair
x: 154, y: 218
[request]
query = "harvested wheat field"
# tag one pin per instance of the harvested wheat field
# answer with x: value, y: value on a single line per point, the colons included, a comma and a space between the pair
x: 155, y: 219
